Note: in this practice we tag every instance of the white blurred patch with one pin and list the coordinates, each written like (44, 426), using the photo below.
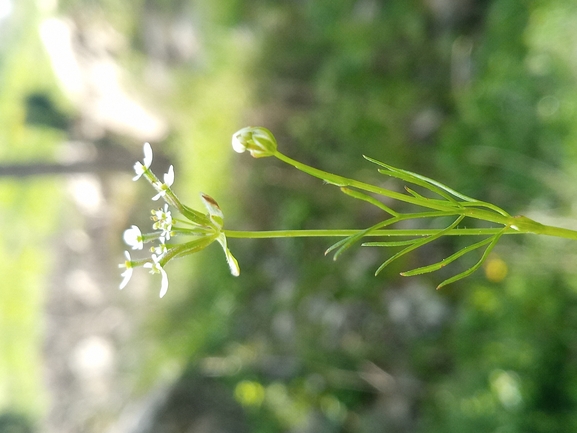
(5, 9)
(77, 240)
(415, 309)
(83, 287)
(57, 38)
(92, 358)
(506, 385)
(86, 192)
(87, 72)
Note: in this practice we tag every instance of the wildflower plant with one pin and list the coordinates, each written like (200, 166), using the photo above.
(202, 229)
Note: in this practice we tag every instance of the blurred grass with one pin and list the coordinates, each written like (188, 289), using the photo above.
(29, 211)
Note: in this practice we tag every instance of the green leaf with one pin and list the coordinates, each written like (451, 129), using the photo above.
(436, 266)
(390, 244)
(346, 243)
(368, 199)
(427, 199)
(476, 266)
(411, 177)
(430, 183)
(419, 243)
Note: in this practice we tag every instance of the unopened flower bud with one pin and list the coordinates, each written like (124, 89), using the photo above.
(257, 140)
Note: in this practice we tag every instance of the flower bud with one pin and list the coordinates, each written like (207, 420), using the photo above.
(257, 140)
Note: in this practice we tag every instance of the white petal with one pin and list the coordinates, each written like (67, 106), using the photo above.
(161, 249)
(133, 237)
(126, 275)
(164, 284)
(128, 263)
(237, 146)
(157, 196)
(169, 176)
(139, 170)
(147, 155)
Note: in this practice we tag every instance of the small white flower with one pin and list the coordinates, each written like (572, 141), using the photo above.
(163, 187)
(133, 237)
(163, 214)
(156, 268)
(140, 168)
(127, 274)
(161, 248)
(163, 221)
(232, 262)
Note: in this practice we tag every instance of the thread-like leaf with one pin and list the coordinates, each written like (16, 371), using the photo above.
(419, 243)
(337, 245)
(346, 243)
(479, 203)
(436, 266)
(427, 199)
(411, 177)
(476, 266)
(368, 199)
(342, 245)
(439, 185)
(416, 181)
(390, 243)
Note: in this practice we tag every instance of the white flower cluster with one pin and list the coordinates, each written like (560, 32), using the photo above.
(205, 228)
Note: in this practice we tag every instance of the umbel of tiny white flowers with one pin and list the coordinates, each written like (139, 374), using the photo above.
(163, 222)
(203, 228)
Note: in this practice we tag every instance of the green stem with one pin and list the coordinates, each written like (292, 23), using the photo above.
(558, 232)
(349, 232)
(270, 234)
(341, 181)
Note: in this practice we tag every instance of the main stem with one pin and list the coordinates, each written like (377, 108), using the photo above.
(559, 232)
(348, 232)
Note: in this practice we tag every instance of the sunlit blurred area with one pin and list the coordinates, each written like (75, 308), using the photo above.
(478, 94)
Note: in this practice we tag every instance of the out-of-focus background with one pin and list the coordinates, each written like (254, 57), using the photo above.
(479, 94)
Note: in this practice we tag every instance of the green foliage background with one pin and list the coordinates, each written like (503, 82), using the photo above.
(485, 101)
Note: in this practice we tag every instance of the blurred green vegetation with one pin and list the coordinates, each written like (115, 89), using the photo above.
(29, 214)
(482, 99)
